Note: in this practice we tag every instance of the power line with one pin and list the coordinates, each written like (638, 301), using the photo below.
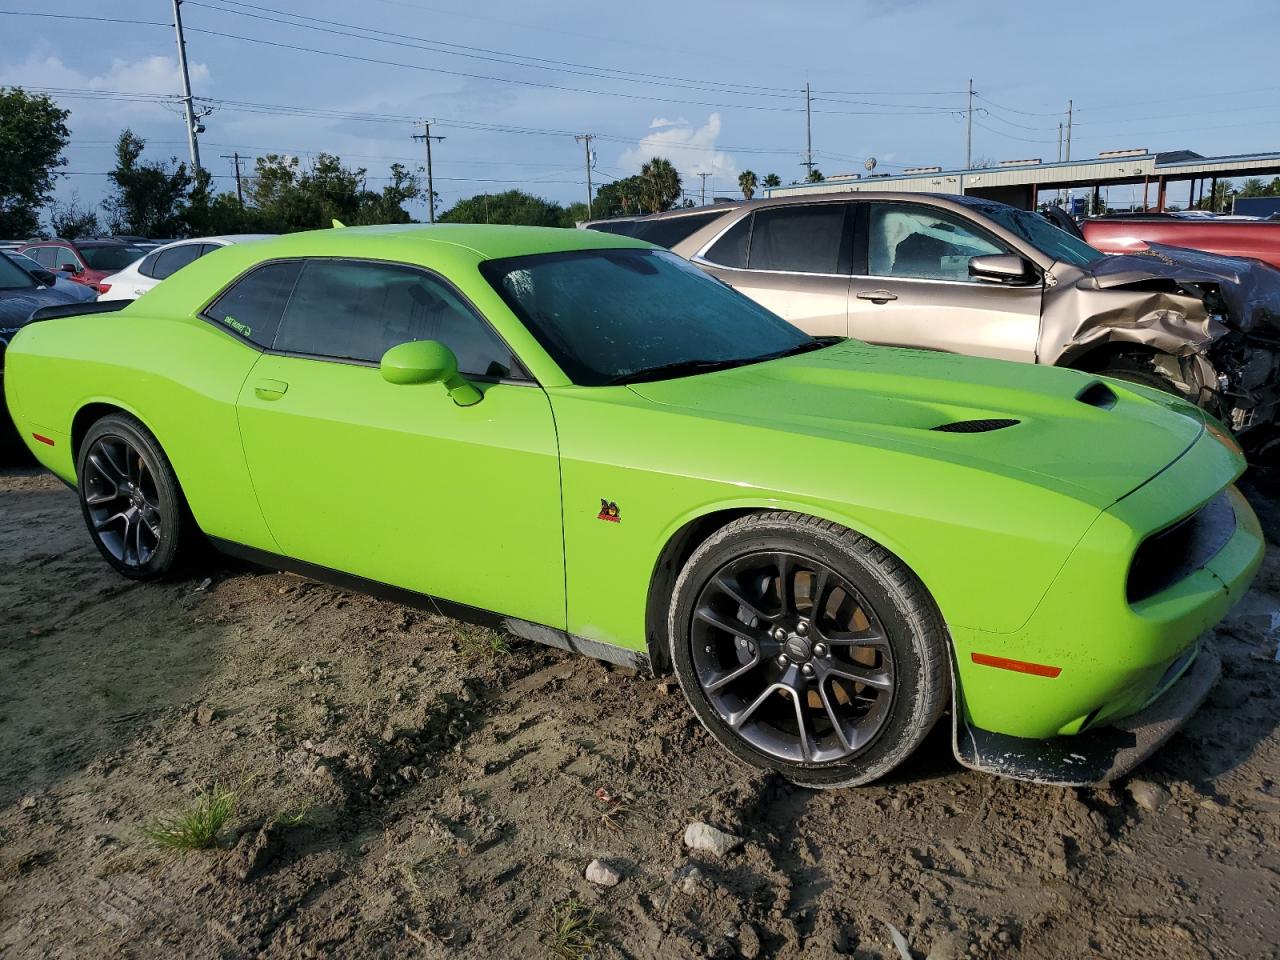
(490, 55)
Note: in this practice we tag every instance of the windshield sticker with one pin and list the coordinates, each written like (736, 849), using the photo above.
(237, 326)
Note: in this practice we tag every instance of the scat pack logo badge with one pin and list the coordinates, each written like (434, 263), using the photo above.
(609, 511)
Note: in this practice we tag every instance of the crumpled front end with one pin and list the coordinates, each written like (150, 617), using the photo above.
(1210, 324)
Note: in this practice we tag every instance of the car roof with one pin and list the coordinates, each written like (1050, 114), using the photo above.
(488, 241)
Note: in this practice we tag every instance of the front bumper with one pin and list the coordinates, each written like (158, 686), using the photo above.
(1101, 755)
(1108, 658)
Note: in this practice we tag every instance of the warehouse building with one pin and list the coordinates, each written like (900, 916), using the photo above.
(1020, 182)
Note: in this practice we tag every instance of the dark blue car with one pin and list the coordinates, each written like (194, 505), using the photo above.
(24, 289)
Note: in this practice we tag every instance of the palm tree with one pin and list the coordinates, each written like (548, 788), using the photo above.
(662, 183)
(815, 176)
(772, 180)
(747, 182)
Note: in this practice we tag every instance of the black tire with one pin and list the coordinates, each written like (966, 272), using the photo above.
(1136, 370)
(906, 650)
(131, 501)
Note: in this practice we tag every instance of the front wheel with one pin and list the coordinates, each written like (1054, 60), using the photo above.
(131, 500)
(808, 649)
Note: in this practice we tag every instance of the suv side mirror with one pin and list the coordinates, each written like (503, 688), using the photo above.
(69, 268)
(1002, 268)
(428, 361)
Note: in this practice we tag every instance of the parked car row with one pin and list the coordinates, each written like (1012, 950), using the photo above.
(590, 442)
(965, 275)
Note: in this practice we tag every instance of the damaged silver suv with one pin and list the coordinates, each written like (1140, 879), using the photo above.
(975, 276)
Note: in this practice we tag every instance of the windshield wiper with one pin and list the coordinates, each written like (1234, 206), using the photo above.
(679, 368)
(682, 368)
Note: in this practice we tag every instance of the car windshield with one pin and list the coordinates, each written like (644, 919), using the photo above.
(618, 316)
(1044, 236)
(114, 257)
(13, 277)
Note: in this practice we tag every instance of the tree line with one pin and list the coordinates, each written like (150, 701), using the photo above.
(281, 194)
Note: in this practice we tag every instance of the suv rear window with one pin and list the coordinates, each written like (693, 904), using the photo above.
(666, 232)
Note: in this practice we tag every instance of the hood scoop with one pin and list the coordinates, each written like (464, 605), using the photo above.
(975, 426)
(1097, 394)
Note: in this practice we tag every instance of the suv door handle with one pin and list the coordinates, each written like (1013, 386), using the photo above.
(877, 296)
(270, 389)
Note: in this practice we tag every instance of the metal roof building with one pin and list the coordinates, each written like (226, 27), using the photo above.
(1017, 182)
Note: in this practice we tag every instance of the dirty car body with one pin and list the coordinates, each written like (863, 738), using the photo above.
(586, 441)
(917, 270)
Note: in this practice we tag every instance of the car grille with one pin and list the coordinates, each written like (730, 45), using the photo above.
(1177, 551)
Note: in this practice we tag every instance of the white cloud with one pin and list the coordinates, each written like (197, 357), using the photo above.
(664, 122)
(148, 75)
(692, 150)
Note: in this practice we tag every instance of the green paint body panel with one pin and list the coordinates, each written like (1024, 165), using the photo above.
(1023, 535)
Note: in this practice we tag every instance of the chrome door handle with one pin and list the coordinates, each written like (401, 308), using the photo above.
(270, 389)
(877, 296)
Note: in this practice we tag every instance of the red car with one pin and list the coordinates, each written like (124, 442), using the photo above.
(1259, 239)
(84, 261)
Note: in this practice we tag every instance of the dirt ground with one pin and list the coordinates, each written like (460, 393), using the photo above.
(408, 786)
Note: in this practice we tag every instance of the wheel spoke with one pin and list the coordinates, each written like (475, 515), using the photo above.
(103, 524)
(818, 593)
(855, 638)
(797, 698)
(786, 582)
(724, 679)
(105, 468)
(728, 584)
(119, 472)
(731, 625)
(833, 717)
(98, 499)
(737, 719)
(880, 679)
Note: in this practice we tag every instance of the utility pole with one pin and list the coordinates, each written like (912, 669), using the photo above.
(1068, 156)
(1059, 141)
(704, 187)
(236, 158)
(968, 133)
(585, 140)
(426, 137)
(808, 129)
(187, 103)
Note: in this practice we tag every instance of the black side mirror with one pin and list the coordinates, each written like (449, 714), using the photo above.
(47, 277)
(1001, 268)
(68, 268)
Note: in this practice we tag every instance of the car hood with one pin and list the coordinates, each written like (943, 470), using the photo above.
(1098, 439)
(1250, 289)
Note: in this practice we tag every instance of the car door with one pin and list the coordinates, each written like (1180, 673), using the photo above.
(791, 259)
(912, 286)
(397, 483)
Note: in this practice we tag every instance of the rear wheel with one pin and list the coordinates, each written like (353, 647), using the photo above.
(131, 500)
(806, 648)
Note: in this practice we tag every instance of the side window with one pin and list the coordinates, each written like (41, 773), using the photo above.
(732, 248)
(45, 256)
(64, 256)
(802, 239)
(206, 248)
(148, 266)
(908, 240)
(252, 306)
(352, 310)
(174, 259)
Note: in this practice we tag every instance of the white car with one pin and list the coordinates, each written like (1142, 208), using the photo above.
(144, 273)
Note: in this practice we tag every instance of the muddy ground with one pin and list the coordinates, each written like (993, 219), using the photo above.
(407, 786)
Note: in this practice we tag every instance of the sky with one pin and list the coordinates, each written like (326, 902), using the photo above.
(717, 88)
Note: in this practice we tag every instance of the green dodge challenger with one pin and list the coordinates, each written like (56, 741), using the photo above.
(586, 441)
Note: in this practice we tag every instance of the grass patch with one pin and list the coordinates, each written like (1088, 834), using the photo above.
(293, 818)
(575, 930)
(195, 826)
(477, 643)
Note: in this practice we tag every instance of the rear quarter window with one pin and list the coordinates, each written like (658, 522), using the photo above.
(253, 305)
